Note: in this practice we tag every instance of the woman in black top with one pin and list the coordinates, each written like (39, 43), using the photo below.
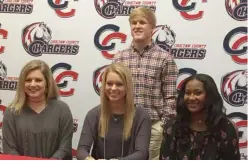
(201, 129)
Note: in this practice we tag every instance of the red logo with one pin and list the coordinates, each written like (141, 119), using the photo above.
(185, 7)
(107, 43)
(59, 8)
(3, 35)
(64, 71)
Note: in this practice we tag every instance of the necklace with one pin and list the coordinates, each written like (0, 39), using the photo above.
(115, 117)
(200, 122)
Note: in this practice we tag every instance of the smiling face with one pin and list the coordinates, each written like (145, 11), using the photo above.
(195, 96)
(114, 88)
(35, 85)
(141, 30)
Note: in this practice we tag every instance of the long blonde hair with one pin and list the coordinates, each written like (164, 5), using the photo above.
(126, 76)
(20, 96)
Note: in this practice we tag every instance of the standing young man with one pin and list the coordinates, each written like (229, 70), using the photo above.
(154, 74)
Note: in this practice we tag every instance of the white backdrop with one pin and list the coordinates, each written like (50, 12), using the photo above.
(78, 37)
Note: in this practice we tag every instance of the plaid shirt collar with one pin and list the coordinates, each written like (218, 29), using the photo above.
(147, 48)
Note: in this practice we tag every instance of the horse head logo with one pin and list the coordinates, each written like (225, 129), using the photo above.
(164, 36)
(35, 31)
(237, 9)
(99, 4)
(233, 83)
(232, 4)
(97, 78)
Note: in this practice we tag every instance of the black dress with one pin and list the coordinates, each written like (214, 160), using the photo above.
(189, 144)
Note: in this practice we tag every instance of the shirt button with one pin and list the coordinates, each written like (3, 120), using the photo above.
(26, 134)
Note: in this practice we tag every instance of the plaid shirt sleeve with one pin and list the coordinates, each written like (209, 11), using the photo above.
(116, 57)
(169, 90)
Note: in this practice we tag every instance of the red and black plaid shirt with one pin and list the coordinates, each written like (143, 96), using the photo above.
(154, 74)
